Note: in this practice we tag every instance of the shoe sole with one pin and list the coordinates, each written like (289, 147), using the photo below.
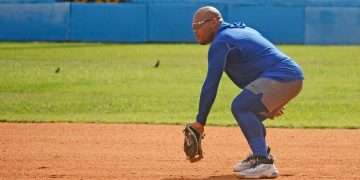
(237, 171)
(272, 176)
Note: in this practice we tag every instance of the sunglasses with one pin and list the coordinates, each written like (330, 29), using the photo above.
(199, 24)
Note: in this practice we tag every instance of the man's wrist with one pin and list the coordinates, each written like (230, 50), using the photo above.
(199, 127)
(201, 120)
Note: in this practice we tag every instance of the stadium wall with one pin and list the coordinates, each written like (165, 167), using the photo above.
(34, 22)
(291, 22)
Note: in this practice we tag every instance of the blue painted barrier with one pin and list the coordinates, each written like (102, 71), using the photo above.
(108, 22)
(33, 22)
(278, 24)
(315, 3)
(332, 25)
(172, 22)
(322, 3)
(293, 22)
(30, 1)
(224, 2)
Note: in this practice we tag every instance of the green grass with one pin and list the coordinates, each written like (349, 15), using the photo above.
(116, 83)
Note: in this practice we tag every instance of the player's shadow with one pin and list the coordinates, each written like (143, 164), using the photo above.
(221, 177)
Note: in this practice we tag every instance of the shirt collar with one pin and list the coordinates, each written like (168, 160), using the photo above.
(225, 25)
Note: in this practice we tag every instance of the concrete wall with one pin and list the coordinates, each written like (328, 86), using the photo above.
(292, 22)
(34, 22)
(29, 1)
(108, 23)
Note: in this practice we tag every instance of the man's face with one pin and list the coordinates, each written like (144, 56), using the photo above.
(204, 28)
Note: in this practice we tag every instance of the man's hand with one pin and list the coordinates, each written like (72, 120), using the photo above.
(275, 113)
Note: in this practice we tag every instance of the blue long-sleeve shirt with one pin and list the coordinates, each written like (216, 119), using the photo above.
(245, 55)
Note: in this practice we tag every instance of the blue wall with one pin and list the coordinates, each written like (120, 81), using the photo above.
(32, 22)
(108, 23)
(29, 1)
(172, 22)
(279, 24)
(332, 25)
(282, 21)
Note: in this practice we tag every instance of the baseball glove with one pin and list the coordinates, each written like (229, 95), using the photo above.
(192, 144)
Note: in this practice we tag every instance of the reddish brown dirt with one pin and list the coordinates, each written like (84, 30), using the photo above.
(112, 151)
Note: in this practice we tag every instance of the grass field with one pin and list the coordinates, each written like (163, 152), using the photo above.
(117, 83)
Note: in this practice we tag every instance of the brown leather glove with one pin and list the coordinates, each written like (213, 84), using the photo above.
(192, 143)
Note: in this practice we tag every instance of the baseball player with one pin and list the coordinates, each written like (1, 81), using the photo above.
(269, 79)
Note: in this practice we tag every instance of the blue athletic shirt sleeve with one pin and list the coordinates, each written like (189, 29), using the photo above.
(216, 62)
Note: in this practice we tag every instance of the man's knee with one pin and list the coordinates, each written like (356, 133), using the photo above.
(239, 105)
(247, 101)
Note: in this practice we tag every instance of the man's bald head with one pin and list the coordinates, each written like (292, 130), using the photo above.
(206, 21)
(207, 12)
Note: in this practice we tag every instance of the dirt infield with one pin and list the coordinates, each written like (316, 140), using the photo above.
(113, 151)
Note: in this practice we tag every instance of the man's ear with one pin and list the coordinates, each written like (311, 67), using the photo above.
(214, 22)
